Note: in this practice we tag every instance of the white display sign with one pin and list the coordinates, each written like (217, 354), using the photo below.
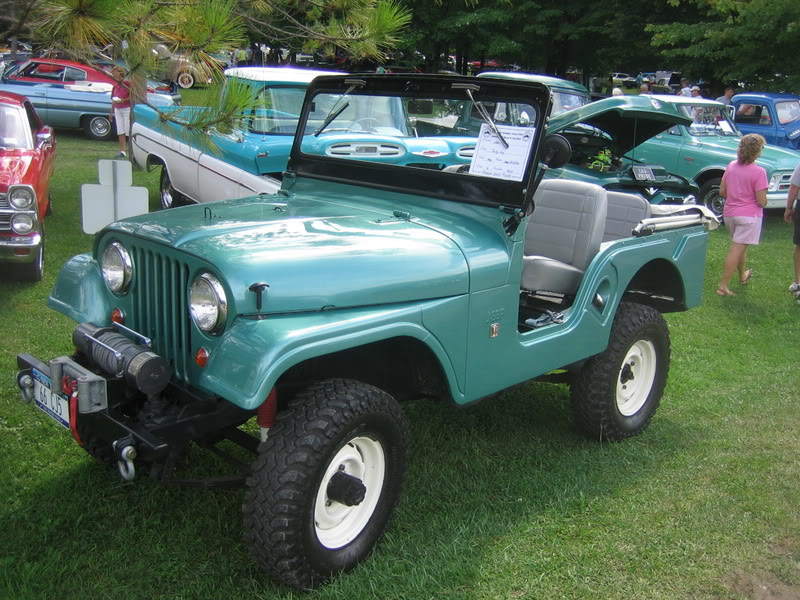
(114, 198)
(493, 159)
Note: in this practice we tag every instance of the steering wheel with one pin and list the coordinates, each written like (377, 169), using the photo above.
(367, 124)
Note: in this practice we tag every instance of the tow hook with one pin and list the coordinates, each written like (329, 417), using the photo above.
(126, 453)
(25, 384)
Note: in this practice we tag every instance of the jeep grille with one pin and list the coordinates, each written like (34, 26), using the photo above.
(159, 305)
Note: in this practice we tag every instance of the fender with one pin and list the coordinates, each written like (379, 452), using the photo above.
(80, 293)
(245, 377)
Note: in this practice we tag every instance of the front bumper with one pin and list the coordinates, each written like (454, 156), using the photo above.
(776, 199)
(20, 249)
(91, 412)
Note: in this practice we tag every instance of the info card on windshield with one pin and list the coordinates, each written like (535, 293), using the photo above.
(493, 159)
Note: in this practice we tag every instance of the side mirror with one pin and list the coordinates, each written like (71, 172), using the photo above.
(45, 136)
(556, 151)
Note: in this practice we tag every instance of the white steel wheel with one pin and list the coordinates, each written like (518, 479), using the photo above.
(616, 393)
(325, 482)
(337, 519)
(636, 377)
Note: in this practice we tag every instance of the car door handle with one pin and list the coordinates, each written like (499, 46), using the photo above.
(262, 155)
(689, 159)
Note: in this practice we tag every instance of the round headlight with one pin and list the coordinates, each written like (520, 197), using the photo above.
(22, 223)
(117, 268)
(22, 198)
(207, 303)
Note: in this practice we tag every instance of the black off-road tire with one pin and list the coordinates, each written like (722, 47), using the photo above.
(608, 401)
(320, 426)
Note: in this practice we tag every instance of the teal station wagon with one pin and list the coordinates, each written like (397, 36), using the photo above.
(316, 310)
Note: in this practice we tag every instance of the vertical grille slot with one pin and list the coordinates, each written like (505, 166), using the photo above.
(160, 306)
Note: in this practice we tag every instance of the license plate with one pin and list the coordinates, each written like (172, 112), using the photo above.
(54, 404)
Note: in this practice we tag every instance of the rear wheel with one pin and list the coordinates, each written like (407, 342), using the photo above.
(616, 392)
(710, 198)
(325, 482)
(170, 197)
(185, 80)
(98, 128)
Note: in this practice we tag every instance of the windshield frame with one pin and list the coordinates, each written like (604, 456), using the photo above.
(688, 110)
(471, 189)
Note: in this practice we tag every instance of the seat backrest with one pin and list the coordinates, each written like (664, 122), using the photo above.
(567, 222)
(625, 211)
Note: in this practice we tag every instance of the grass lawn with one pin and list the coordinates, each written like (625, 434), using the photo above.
(503, 499)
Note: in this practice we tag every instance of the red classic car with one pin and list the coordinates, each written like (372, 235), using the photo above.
(56, 70)
(27, 155)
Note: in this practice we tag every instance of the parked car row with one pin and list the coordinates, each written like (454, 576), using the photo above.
(666, 149)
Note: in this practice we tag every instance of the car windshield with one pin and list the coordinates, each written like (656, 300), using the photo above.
(13, 130)
(788, 111)
(708, 120)
(424, 132)
(278, 110)
(563, 101)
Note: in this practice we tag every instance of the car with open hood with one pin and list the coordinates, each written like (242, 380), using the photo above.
(309, 314)
(604, 137)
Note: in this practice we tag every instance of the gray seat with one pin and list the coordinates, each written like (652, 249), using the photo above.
(625, 211)
(563, 235)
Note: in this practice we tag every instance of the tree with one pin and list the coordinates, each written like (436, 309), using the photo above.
(200, 28)
(752, 42)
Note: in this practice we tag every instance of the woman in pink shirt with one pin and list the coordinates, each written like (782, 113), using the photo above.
(744, 187)
(121, 108)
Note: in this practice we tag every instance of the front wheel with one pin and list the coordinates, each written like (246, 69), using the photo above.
(710, 198)
(616, 392)
(98, 128)
(325, 482)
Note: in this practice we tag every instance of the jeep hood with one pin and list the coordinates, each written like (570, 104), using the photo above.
(314, 253)
(629, 120)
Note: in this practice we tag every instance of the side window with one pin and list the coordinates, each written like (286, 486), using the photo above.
(46, 71)
(674, 130)
(33, 120)
(753, 114)
(74, 75)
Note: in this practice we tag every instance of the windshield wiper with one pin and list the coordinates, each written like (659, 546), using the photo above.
(334, 112)
(468, 87)
(330, 118)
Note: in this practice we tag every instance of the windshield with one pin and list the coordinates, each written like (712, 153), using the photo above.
(278, 111)
(788, 111)
(708, 120)
(424, 132)
(563, 101)
(13, 130)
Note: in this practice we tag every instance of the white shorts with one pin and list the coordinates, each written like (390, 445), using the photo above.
(122, 117)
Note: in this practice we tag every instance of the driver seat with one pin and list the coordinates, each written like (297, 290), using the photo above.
(563, 235)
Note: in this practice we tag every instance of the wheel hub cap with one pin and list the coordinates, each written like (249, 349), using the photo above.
(349, 492)
(636, 377)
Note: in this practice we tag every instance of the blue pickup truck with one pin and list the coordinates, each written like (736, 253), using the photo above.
(775, 116)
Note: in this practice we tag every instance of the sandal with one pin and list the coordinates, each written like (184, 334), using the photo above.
(747, 275)
(725, 292)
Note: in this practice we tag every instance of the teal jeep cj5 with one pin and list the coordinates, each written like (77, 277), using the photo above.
(318, 309)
